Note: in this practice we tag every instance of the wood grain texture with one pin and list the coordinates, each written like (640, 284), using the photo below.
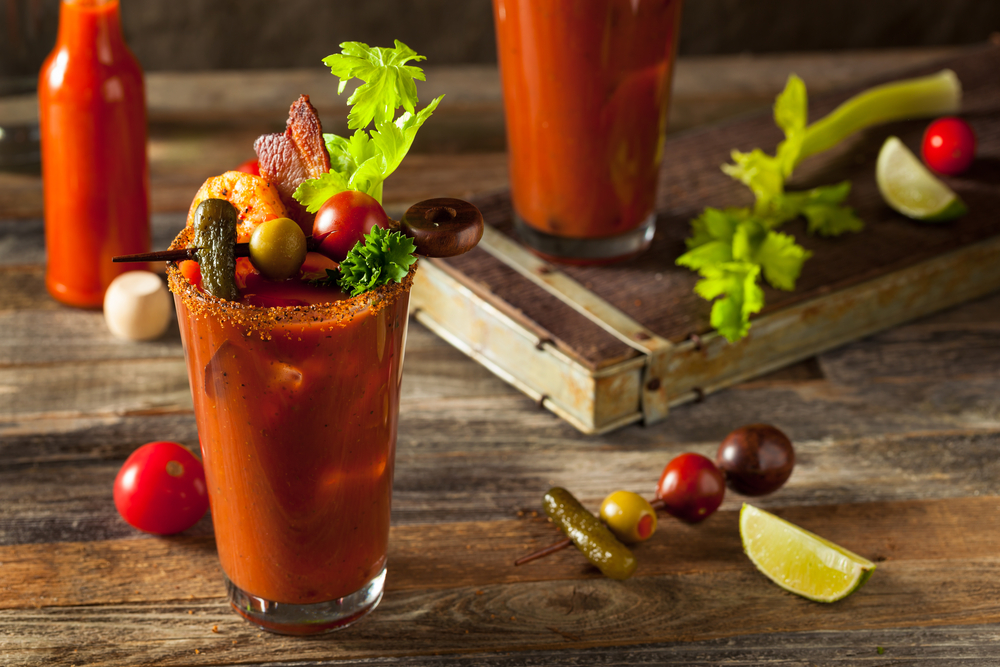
(431, 557)
(538, 616)
(69, 499)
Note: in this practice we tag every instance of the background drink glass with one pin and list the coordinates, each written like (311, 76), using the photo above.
(586, 90)
(297, 415)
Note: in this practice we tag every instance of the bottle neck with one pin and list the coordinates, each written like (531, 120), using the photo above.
(91, 25)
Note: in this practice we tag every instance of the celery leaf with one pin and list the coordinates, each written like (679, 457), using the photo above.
(365, 159)
(781, 259)
(388, 80)
(313, 192)
(730, 248)
(733, 286)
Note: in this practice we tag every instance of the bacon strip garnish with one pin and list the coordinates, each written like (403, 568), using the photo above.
(286, 159)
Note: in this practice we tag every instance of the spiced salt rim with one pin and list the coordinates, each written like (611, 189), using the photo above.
(264, 319)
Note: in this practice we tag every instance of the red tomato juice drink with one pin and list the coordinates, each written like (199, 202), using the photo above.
(586, 89)
(297, 412)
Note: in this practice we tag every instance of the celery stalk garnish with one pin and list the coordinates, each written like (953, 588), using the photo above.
(364, 160)
(935, 95)
(731, 249)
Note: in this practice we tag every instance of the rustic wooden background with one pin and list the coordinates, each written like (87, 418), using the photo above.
(896, 439)
(194, 35)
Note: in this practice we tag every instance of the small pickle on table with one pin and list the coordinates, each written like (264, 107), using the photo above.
(590, 536)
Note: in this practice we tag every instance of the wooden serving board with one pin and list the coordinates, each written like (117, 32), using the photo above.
(606, 346)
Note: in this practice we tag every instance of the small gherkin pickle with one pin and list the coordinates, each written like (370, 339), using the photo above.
(215, 237)
(590, 536)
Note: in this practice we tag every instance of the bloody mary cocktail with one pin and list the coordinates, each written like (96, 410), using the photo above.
(297, 412)
(586, 90)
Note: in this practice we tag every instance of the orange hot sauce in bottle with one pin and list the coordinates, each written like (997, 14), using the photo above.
(92, 106)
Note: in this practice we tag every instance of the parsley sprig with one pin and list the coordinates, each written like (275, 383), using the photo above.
(366, 158)
(382, 257)
(732, 249)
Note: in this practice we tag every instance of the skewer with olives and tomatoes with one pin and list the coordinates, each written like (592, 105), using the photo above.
(753, 460)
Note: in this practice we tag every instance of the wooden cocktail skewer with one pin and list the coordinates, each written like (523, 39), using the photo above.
(442, 227)
(180, 254)
(657, 505)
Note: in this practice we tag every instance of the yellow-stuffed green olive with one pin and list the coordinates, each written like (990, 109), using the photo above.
(278, 248)
(629, 516)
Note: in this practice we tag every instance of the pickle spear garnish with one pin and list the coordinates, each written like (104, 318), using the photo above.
(590, 536)
(215, 236)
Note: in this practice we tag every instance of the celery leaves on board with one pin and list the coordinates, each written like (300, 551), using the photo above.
(731, 249)
(383, 257)
(366, 158)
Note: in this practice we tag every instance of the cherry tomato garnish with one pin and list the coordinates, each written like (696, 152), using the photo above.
(949, 146)
(250, 167)
(344, 219)
(161, 489)
(691, 487)
(756, 459)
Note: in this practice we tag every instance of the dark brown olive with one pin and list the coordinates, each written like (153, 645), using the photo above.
(756, 459)
(443, 227)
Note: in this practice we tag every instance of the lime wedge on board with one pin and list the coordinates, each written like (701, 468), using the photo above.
(911, 189)
(799, 561)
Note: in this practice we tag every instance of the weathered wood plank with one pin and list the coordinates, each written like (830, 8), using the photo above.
(106, 387)
(22, 242)
(442, 556)
(482, 459)
(535, 616)
(40, 337)
(966, 646)
(24, 288)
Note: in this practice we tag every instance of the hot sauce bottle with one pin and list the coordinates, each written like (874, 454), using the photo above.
(95, 174)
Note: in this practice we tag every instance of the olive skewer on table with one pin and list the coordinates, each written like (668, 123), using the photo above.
(656, 504)
(753, 460)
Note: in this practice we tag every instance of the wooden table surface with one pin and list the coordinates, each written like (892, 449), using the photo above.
(896, 435)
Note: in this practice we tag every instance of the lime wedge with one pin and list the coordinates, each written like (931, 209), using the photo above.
(798, 561)
(911, 189)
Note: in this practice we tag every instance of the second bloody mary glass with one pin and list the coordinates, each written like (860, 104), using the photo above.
(586, 86)
(297, 413)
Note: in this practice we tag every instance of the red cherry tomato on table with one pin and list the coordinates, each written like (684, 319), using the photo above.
(691, 487)
(250, 167)
(344, 219)
(161, 489)
(949, 146)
